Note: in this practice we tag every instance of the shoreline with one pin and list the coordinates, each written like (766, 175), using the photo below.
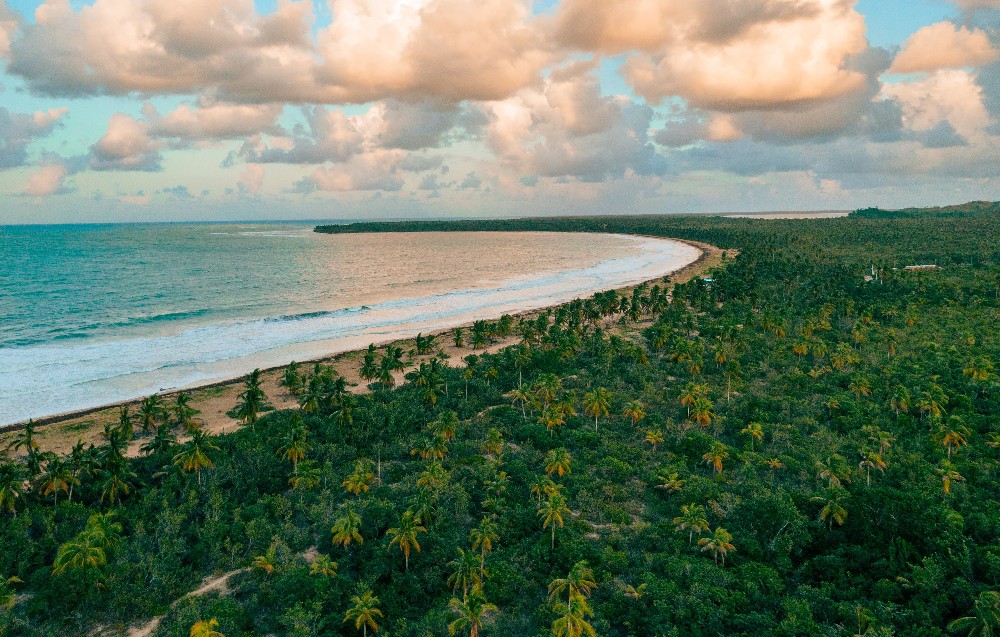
(202, 393)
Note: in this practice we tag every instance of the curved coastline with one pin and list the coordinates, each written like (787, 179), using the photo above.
(337, 349)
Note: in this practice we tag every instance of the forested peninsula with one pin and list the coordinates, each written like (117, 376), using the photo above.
(802, 441)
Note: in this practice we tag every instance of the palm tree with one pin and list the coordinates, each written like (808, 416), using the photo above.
(871, 460)
(57, 477)
(465, 572)
(949, 475)
(654, 437)
(405, 535)
(715, 456)
(552, 416)
(82, 553)
(833, 510)
(346, 529)
(597, 403)
(691, 393)
(755, 431)
(268, 562)
(692, 519)
(323, 566)
(151, 411)
(702, 413)
(543, 485)
(126, 425)
(985, 618)
(12, 485)
(953, 436)
(482, 538)
(579, 582)
(365, 612)
(552, 511)
(473, 613)
(295, 446)
(206, 628)
(369, 365)
(520, 397)
(360, 479)
(184, 413)
(634, 411)
(719, 544)
(558, 462)
(252, 401)
(572, 619)
(671, 482)
(163, 441)
(8, 597)
(194, 453)
(118, 481)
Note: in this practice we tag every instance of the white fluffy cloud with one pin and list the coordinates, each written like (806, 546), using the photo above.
(125, 146)
(944, 45)
(45, 181)
(210, 120)
(950, 96)
(725, 54)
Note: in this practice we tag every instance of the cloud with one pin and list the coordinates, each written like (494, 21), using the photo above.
(377, 170)
(944, 45)
(725, 54)
(19, 130)
(445, 49)
(567, 129)
(211, 120)
(252, 178)
(374, 49)
(977, 4)
(126, 146)
(10, 22)
(950, 96)
(47, 180)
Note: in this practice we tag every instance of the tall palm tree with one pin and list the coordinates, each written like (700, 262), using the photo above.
(194, 453)
(985, 618)
(365, 612)
(579, 582)
(558, 461)
(755, 432)
(833, 509)
(184, 413)
(205, 628)
(369, 365)
(482, 538)
(405, 535)
(654, 437)
(465, 572)
(692, 519)
(295, 446)
(716, 456)
(347, 529)
(58, 476)
(252, 401)
(719, 544)
(118, 481)
(597, 403)
(163, 441)
(552, 512)
(634, 411)
(953, 436)
(949, 475)
(473, 613)
(151, 411)
(552, 416)
(572, 619)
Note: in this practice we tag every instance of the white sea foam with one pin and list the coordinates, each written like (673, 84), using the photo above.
(36, 381)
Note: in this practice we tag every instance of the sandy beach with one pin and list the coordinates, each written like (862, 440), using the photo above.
(59, 433)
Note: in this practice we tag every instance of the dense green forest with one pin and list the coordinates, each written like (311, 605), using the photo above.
(805, 444)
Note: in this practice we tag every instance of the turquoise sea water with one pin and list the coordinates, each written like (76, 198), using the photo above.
(95, 314)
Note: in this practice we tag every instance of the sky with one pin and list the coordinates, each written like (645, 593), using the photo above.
(177, 110)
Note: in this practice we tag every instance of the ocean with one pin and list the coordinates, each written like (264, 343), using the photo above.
(94, 314)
